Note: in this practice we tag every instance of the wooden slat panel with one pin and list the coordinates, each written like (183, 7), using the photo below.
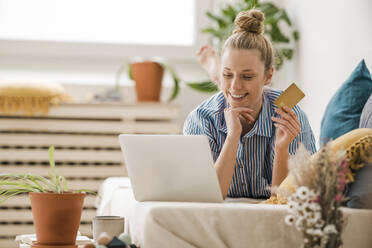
(86, 230)
(114, 127)
(10, 215)
(68, 171)
(8, 243)
(61, 155)
(112, 111)
(59, 140)
(14, 230)
(122, 119)
(23, 215)
(84, 184)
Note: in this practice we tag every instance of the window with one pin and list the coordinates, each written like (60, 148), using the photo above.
(101, 27)
(161, 22)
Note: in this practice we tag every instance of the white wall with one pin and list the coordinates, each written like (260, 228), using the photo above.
(335, 36)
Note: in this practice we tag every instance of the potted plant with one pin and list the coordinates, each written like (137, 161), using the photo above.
(275, 18)
(148, 76)
(56, 210)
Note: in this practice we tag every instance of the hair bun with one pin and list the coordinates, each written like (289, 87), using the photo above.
(249, 21)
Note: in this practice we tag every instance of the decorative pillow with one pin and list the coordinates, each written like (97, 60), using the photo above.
(360, 192)
(360, 152)
(345, 107)
(360, 159)
(354, 145)
(30, 98)
(348, 140)
(366, 117)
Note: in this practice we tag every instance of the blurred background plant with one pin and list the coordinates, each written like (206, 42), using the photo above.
(14, 184)
(276, 20)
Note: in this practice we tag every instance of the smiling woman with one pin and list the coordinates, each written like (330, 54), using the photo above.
(250, 137)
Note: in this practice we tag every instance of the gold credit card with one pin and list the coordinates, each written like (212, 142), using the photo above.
(290, 97)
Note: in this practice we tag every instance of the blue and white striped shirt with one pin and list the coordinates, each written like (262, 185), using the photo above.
(255, 156)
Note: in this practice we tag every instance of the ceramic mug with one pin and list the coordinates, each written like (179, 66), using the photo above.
(112, 225)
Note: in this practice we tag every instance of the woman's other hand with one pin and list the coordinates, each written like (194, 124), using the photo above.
(288, 127)
(234, 118)
(210, 62)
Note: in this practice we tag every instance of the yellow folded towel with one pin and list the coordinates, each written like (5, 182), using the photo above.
(30, 98)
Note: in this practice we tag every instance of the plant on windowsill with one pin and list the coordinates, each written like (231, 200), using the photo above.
(56, 210)
(148, 76)
(275, 17)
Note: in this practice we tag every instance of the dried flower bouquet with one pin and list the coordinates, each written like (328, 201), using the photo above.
(314, 209)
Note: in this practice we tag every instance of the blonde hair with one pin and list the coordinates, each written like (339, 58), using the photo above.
(248, 34)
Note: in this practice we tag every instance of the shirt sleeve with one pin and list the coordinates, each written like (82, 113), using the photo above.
(305, 137)
(194, 124)
(197, 124)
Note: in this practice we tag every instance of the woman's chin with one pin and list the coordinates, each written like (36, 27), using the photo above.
(242, 102)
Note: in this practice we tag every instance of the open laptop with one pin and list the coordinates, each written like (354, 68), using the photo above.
(170, 168)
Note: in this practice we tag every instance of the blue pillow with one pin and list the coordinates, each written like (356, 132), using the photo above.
(345, 107)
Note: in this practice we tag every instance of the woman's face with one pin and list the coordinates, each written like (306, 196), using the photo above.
(243, 77)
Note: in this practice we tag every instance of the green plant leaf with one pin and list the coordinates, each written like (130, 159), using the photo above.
(4, 198)
(63, 182)
(85, 191)
(282, 15)
(222, 23)
(287, 52)
(38, 186)
(18, 185)
(123, 67)
(48, 184)
(175, 78)
(279, 59)
(277, 35)
(207, 87)
(296, 35)
(269, 9)
(220, 34)
(250, 4)
(230, 13)
(52, 172)
(129, 72)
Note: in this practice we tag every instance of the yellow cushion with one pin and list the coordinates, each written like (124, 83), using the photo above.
(30, 98)
(348, 139)
(351, 142)
(358, 154)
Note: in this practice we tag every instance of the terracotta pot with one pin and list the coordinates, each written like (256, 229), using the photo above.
(56, 217)
(148, 76)
(53, 246)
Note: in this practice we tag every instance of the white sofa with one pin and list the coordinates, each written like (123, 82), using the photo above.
(234, 223)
